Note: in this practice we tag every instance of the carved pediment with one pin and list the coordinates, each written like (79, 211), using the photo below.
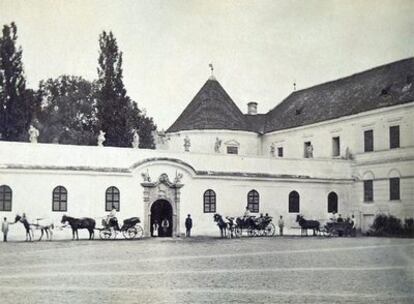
(232, 142)
(163, 179)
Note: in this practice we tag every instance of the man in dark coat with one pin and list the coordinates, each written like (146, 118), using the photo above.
(188, 225)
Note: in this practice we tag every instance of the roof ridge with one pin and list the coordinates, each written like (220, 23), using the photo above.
(355, 74)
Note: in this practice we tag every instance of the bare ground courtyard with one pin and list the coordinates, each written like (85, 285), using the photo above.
(209, 270)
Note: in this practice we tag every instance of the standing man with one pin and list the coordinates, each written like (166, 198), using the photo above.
(5, 229)
(188, 226)
(165, 224)
(281, 224)
(354, 225)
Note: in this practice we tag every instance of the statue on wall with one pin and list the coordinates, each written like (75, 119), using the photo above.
(187, 144)
(348, 154)
(135, 140)
(160, 138)
(272, 149)
(101, 138)
(146, 177)
(217, 145)
(33, 134)
(178, 177)
(309, 151)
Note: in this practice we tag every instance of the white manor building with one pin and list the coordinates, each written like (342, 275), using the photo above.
(345, 146)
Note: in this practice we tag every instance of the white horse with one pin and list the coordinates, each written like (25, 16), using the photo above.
(45, 226)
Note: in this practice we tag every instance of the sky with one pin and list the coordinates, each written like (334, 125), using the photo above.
(258, 48)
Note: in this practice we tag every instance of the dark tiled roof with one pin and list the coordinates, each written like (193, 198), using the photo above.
(384, 86)
(255, 123)
(211, 108)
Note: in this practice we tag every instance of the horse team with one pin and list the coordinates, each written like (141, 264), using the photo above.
(46, 227)
(262, 226)
(229, 226)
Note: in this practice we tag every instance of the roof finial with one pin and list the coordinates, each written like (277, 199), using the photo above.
(294, 85)
(212, 72)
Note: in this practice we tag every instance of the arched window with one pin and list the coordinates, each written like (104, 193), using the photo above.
(332, 202)
(5, 198)
(60, 199)
(112, 198)
(294, 202)
(209, 201)
(253, 201)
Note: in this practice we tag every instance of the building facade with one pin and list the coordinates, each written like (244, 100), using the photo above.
(345, 146)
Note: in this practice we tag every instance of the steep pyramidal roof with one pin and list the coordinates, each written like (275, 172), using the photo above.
(388, 85)
(211, 108)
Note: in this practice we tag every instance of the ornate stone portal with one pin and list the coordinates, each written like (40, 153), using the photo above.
(162, 189)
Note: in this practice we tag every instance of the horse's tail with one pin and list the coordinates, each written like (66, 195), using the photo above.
(52, 226)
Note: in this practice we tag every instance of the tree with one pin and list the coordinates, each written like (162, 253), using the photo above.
(118, 115)
(17, 104)
(113, 104)
(68, 111)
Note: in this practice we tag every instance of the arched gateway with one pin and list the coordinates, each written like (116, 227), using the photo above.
(161, 212)
(162, 200)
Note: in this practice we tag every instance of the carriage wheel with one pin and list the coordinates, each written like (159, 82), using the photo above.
(250, 232)
(333, 232)
(130, 233)
(140, 231)
(237, 231)
(105, 234)
(270, 230)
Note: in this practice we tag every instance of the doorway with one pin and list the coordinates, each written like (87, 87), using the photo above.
(161, 210)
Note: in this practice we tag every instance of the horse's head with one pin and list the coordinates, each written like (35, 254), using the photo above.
(64, 219)
(217, 217)
(17, 218)
(299, 217)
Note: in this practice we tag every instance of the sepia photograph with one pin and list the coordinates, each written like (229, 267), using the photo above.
(206, 151)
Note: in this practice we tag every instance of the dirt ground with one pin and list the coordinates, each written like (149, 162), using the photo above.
(209, 270)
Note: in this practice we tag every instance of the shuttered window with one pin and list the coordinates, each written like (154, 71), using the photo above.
(368, 141)
(394, 137)
(368, 191)
(394, 188)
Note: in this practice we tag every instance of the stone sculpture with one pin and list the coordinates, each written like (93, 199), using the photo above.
(33, 134)
(101, 138)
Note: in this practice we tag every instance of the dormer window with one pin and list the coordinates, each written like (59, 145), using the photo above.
(232, 150)
(232, 147)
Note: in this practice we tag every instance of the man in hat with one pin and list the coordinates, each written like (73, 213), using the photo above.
(188, 225)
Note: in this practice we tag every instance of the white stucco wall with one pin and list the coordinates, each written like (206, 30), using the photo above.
(32, 171)
(203, 141)
(349, 129)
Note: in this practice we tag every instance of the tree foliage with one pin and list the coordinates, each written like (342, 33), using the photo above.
(113, 104)
(118, 115)
(17, 104)
(68, 111)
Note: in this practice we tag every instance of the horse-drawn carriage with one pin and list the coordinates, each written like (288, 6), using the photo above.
(130, 229)
(109, 230)
(331, 228)
(254, 226)
(341, 228)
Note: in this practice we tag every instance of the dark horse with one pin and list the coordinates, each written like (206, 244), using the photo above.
(80, 223)
(221, 224)
(29, 231)
(307, 224)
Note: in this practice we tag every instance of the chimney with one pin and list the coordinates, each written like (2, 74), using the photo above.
(252, 108)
